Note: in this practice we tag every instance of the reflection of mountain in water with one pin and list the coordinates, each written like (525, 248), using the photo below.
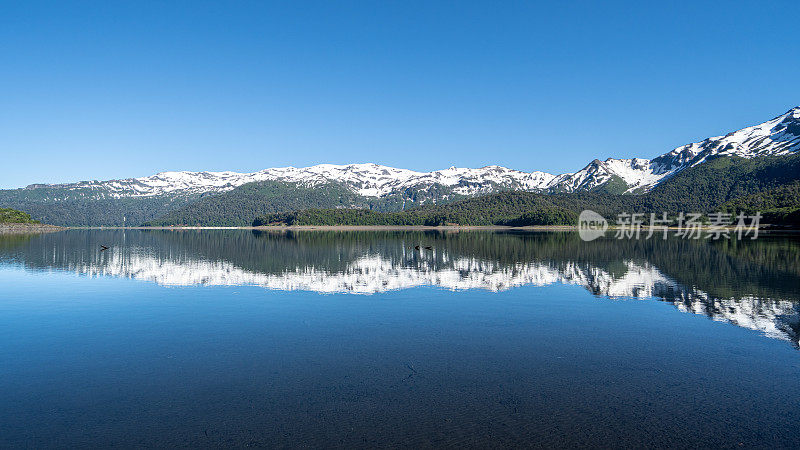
(751, 284)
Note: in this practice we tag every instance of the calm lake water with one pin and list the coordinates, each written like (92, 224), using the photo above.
(356, 339)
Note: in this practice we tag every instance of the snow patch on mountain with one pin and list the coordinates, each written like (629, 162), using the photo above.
(370, 180)
(779, 136)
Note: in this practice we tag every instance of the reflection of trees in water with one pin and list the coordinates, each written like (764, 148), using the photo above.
(707, 277)
(10, 240)
(766, 267)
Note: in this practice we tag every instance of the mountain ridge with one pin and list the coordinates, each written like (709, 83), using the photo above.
(778, 136)
(386, 188)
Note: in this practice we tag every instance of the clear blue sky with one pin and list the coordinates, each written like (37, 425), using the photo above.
(112, 89)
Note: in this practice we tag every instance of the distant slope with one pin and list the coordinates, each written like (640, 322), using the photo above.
(237, 207)
(89, 207)
(710, 187)
(507, 208)
(155, 198)
(8, 215)
(782, 197)
(780, 205)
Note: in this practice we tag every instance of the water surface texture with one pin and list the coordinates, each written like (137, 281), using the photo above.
(358, 339)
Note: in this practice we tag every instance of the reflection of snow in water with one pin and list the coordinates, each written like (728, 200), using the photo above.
(375, 273)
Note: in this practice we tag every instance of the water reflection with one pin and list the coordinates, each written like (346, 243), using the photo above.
(752, 284)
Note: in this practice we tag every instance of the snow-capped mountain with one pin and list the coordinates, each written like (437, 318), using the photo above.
(370, 180)
(778, 136)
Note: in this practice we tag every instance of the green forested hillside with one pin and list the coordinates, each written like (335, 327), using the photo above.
(711, 184)
(499, 209)
(709, 187)
(778, 205)
(238, 206)
(88, 207)
(8, 215)
(760, 183)
(506, 208)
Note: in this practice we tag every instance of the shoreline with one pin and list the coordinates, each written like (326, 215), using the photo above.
(351, 228)
(49, 228)
(22, 228)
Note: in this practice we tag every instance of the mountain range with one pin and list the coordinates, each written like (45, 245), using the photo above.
(168, 195)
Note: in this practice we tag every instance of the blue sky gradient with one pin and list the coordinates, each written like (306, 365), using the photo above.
(101, 90)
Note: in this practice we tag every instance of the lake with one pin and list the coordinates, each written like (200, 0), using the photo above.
(357, 339)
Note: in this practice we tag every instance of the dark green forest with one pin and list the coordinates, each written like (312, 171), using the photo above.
(505, 208)
(88, 207)
(238, 206)
(778, 205)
